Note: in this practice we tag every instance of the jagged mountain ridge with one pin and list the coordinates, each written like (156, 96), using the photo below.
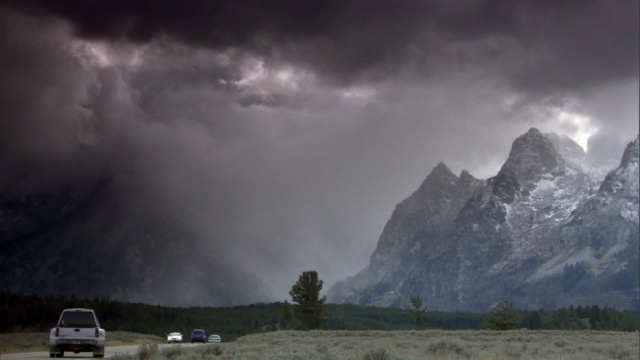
(98, 240)
(541, 233)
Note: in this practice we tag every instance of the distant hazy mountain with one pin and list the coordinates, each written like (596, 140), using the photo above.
(541, 233)
(99, 241)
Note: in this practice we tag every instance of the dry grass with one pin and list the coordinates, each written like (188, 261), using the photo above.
(39, 341)
(407, 345)
(380, 345)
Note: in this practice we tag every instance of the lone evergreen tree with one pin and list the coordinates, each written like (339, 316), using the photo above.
(417, 310)
(309, 306)
(503, 316)
(287, 316)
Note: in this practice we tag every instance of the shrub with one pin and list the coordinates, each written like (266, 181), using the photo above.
(212, 350)
(446, 348)
(148, 352)
(172, 352)
(377, 354)
(616, 353)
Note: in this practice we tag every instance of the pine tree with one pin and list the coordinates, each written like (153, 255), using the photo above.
(309, 306)
(286, 317)
(503, 316)
(417, 310)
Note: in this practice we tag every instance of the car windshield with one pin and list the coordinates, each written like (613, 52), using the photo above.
(77, 319)
(174, 334)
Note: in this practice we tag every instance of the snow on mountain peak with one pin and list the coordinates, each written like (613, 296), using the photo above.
(524, 234)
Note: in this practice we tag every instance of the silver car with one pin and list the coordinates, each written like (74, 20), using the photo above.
(214, 339)
(174, 337)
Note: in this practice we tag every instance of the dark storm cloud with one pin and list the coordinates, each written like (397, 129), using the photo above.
(542, 46)
(40, 127)
(61, 121)
(283, 132)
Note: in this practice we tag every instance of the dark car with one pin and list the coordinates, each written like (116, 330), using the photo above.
(198, 335)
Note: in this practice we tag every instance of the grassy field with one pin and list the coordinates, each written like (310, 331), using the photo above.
(407, 345)
(39, 341)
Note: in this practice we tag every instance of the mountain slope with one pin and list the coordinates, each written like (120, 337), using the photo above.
(100, 241)
(415, 222)
(537, 234)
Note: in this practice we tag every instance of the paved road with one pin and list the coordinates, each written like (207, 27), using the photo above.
(109, 351)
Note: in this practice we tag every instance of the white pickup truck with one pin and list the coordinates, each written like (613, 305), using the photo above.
(78, 330)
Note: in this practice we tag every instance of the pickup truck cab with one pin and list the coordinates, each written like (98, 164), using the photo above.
(78, 330)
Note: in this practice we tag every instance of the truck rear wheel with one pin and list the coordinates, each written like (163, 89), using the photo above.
(99, 353)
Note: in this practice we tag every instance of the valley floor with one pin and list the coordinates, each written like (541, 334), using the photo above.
(408, 345)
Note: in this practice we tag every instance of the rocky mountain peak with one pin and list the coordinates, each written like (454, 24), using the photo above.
(623, 181)
(441, 173)
(441, 177)
(536, 157)
(630, 155)
(535, 234)
(434, 205)
(532, 155)
(466, 178)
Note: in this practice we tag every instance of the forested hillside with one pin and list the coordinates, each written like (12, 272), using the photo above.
(34, 313)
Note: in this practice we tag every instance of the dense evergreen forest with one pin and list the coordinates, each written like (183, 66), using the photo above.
(35, 313)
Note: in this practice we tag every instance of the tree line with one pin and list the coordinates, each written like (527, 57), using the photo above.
(504, 316)
(37, 313)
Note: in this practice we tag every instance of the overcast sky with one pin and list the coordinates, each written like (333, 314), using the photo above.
(285, 132)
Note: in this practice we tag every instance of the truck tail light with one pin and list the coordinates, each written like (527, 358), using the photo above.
(97, 332)
(57, 332)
